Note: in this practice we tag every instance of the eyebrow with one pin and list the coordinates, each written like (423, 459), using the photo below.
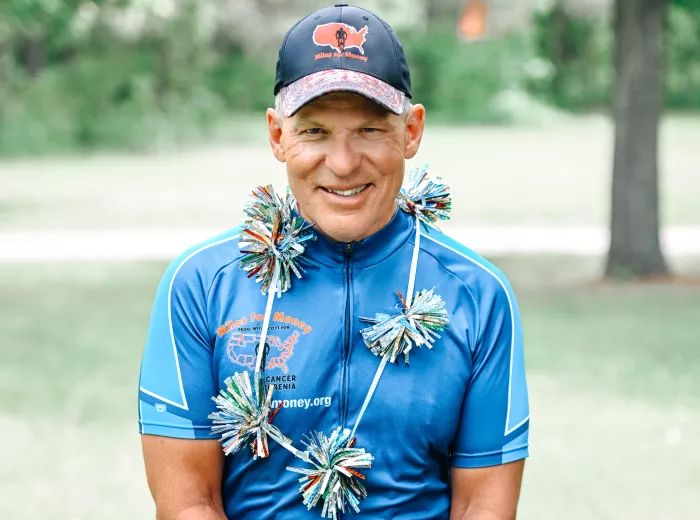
(380, 121)
(307, 121)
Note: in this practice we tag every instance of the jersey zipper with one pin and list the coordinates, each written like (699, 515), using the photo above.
(346, 336)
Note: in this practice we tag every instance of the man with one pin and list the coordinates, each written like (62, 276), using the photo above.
(341, 35)
(448, 433)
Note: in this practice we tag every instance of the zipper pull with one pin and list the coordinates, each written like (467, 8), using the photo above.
(348, 249)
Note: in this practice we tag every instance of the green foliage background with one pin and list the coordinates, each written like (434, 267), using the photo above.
(62, 89)
(580, 54)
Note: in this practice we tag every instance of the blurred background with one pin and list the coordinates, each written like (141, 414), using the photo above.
(569, 131)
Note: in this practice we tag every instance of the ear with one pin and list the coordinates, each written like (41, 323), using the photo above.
(415, 123)
(274, 128)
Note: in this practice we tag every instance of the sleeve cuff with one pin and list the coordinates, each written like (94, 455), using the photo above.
(175, 431)
(482, 460)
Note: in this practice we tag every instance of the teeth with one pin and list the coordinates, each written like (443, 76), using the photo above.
(348, 193)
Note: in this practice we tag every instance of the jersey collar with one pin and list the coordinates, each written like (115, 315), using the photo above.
(363, 253)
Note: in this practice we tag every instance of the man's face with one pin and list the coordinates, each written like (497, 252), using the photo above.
(345, 159)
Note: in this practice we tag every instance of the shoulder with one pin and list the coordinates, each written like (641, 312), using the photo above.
(199, 264)
(483, 279)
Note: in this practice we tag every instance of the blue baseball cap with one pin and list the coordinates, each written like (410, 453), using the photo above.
(342, 49)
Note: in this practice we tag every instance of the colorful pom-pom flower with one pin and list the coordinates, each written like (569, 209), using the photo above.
(427, 199)
(244, 415)
(415, 325)
(273, 239)
(334, 478)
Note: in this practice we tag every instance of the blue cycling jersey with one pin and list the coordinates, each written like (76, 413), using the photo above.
(463, 403)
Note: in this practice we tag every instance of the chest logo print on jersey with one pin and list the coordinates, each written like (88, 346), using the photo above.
(241, 350)
(243, 337)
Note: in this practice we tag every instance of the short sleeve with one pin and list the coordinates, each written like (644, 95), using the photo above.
(177, 378)
(494, 423)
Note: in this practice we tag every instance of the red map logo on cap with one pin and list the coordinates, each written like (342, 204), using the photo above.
(340, 36)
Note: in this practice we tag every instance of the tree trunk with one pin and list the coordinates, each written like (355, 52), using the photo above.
(36, 56)
(432, 12)
(640, 27)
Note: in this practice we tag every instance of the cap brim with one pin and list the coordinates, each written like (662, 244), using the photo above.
(294, 96)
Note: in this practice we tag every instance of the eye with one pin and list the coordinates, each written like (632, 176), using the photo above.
(370, 130)
(313, 131)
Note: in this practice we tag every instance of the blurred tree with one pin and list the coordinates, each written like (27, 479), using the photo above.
(577, 50)
(431, 12)
(38, 30)
(439, 13)
(640, 46)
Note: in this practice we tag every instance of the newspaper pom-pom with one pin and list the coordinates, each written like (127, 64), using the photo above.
(244, 415)
(335, 478)
(415, 325)
(274, 236)
(424, 197)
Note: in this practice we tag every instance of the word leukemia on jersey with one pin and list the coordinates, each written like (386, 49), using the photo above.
(273, 242)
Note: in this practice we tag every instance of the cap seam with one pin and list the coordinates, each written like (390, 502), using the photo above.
(342, 60)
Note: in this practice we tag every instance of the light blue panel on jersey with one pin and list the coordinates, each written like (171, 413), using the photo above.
(160, 374)
(519, 410)
(513, 450)
(156, 420)
(518, 407)
(160, 371)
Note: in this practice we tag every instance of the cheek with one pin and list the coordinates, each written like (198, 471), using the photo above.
(388, 158)
(302, 161)
(389, 147)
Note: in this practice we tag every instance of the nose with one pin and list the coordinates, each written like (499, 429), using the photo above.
(341, 158)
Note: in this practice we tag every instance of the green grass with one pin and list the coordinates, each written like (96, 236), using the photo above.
(74, 334)
(552, 174)
(614, 375)
(636, 341)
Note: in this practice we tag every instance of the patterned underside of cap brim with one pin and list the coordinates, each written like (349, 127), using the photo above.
(313, 86)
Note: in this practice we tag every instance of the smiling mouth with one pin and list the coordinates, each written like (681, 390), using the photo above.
(348, 193)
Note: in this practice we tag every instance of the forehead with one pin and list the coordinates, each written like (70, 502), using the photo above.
(347, 102)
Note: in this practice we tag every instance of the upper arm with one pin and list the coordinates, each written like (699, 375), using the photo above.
(489, 493)
(494, 421)
(177, 377)
(184, 475)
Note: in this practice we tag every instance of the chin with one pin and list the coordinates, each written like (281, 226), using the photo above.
(345, 228)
